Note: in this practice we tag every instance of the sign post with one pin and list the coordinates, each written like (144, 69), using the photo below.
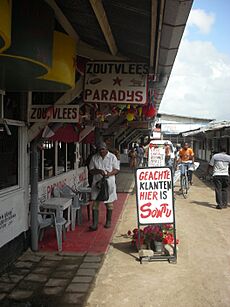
(155, 206)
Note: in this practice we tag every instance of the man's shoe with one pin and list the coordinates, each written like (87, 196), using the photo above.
(225, 206)
(218, 207)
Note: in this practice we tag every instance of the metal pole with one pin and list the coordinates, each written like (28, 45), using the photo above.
(34, 196)
(2, 93)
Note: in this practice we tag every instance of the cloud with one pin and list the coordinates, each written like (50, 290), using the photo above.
(201, 20)
(199, 82)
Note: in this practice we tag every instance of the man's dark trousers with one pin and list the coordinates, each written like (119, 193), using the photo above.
(221, 189)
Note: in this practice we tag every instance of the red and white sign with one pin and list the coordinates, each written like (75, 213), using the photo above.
(114, 82)
(55, 113)
(154, 195)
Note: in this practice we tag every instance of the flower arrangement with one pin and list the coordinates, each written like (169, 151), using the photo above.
(161, 233)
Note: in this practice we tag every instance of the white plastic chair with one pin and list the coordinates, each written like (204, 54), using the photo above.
(84, 199)
(66, 191)
(48, 219)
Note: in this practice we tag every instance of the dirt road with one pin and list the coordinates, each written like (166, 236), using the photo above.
(201, 276)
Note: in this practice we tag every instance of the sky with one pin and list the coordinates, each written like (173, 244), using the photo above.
(199, 84)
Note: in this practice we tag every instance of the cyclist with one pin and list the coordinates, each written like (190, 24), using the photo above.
(186, 158)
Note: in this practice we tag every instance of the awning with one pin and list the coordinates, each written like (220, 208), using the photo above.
(66, 133)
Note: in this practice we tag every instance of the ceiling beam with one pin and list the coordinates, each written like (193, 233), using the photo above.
(161, 13)
(83, 48)
(104, 24)
(90, 52)
(153, 33)
(64, 22)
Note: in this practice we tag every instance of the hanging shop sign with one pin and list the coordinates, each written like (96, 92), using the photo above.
(57, 113)
(154, 195)
(113, 82)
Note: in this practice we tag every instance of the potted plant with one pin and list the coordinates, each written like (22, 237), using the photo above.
(154, 237)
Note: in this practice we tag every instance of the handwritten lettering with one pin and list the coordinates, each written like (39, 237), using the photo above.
(155, 185)
(155, 175)
(146, 211)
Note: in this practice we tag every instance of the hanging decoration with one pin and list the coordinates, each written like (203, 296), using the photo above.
(30, 53)
(61, 76)
(5, 24)
(150, 111)
(130, 116)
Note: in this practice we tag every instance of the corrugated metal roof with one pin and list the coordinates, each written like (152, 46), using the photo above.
(214, 125)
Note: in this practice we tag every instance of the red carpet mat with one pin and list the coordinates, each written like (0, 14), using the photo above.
(83, 240)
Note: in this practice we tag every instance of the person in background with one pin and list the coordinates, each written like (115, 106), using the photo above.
(168, 160)
(186, 154)
(103, 163)
(132, 158)
(140, 155)
(145, 157)
(176, 154)
(219, 165)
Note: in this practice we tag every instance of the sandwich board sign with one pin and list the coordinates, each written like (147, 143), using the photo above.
(156, 155)
(155, 200)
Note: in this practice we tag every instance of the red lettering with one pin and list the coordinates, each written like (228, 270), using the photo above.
(145, 208)
(141, 175)
(155, 213)
(151, 176)
(156, 175)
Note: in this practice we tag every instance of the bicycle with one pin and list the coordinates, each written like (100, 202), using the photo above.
(184, 178)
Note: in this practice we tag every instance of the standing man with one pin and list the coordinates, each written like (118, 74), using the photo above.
(168, 159)
(186, 156)
(219, 164)
(103, 163)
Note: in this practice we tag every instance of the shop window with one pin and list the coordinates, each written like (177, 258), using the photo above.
(48, 159)
(9, 151)
(55, 158)
(71, 155)
(62, 148)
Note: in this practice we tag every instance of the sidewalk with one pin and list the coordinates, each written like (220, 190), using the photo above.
(48, 278)
(201, 276)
